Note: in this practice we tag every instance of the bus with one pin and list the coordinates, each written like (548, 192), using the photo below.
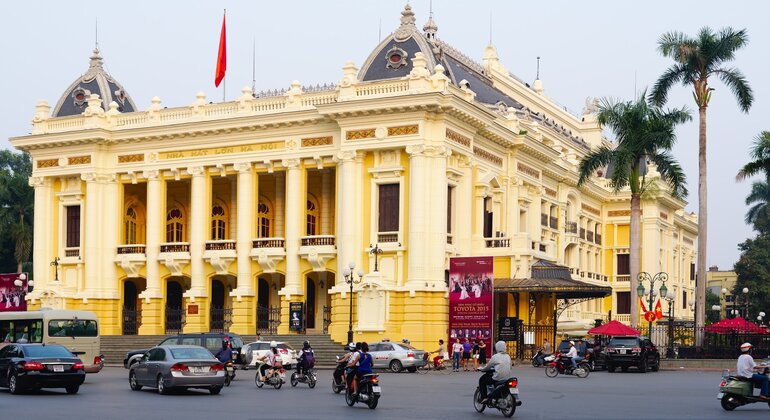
(78, 331)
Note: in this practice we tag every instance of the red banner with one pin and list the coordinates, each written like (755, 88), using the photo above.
(12, 296)
(471, 300)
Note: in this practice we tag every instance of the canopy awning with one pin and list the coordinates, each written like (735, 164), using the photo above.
(563, 288)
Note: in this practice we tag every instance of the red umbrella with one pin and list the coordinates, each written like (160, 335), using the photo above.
(736, 324)
(613, 328)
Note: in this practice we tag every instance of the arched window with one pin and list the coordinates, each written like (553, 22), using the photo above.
(263, 220)
(311, 217)
(218, 223)
(175, 225)
(129, 223)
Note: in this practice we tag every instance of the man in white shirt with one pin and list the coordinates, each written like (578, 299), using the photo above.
(573, 354)
(746, 368)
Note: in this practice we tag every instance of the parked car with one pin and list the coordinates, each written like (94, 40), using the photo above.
(166, 368)
(251, 352)
(36, 366)
(626, 351)
(396, 356)
(211, 341)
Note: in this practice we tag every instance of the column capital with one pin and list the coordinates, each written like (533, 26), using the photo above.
(39, 181)
(242, 167)
(345, 156)
(196, 171)
(152, 174)
(415, 150)
(292, 163)
(88, 176)
(437, 151)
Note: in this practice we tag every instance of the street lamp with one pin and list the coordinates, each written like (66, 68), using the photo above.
(760, 317)
(718, 309)
(652, 293)
(375, 251)
(55, 264)
(746, 301)
(347, 273)
(670, 352)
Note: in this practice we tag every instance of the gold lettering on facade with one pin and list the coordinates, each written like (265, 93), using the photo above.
(403, 130)
(592, 210)
(528, 170)
(47, 163)
(458, 138)
(317, 141)
(619, 213)
(367, 133)
(139, 157)
(214, 151)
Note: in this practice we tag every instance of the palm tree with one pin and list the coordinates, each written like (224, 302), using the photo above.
(16, 203)
(644, 133)
(696, 59)
(760, 153)
(759, 213)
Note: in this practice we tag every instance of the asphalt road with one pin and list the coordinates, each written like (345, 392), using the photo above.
(661, 395)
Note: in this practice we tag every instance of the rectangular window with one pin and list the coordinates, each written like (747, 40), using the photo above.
(388, 208)
(624, 302)
(692, 271)
(684, 299)
(488, 218)
(73, 227)
(72, 328)
(449, 192)
(624, 267)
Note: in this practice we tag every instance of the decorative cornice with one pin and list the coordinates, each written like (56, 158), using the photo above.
(290, 163)
(242, 167)
(196, 171)
(549, 192)
(592, 210)
(47, 163)
(137, 157)
(151, 174)
(458, 138)
(317, 141)
(527, 170)
(367, 133)
(403, 130)
(79, 160)
(487, 155)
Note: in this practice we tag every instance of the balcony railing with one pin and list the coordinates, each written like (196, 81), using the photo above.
(571, 227)
(319, 240)
(582, 233)
(623, 278)
(544, 219)
(131, 249)
(497, 242)
(220, 245)
(554, 222)
(268, 243)
(72, 252)
(590, 236)
(175, 247)
(598, 239)
(390, 237)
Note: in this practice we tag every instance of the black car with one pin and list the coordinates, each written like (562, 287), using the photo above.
(626, 351)
(598, 360)
(36, 366)
(211, 341)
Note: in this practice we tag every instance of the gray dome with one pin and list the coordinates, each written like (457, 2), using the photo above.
(75, 99)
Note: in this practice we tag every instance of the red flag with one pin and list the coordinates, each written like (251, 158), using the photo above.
(641, 304)
(658, 310)
(221, 56)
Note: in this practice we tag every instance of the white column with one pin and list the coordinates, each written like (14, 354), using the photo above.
(43, 233)
(294, 210)
(155, 216)
(326, 202)
(280, 194)
(345, 231)
(111, 222)
(436, 215)
(418, 225)
(245, 227)
(198, 228)
(93, 229)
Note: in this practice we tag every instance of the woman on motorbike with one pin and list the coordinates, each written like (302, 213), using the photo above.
(225, 354)
(304, 354)
(273, 360)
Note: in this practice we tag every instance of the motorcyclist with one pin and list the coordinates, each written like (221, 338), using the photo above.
(302, 362)
(272, 358)
(351, 369)
(341, 363)
(573, 355)
(225, 354)
(747, 366)
(497, 369)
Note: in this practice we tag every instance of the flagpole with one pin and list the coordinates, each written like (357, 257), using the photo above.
(224, 79)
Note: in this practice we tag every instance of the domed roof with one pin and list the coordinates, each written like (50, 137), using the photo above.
(75, 99)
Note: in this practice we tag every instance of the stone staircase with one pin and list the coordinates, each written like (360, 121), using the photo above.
(115, 347)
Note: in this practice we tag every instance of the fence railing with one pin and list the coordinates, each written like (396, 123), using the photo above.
(175, 320)
(716, 345)
(131, 321)
(220, 319)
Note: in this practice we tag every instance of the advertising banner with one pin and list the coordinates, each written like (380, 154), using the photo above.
(471, 300)
(12, 296)
(296, 316)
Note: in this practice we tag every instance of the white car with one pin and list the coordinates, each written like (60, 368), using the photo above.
(252, 352)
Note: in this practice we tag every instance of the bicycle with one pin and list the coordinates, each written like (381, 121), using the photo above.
(429, 366)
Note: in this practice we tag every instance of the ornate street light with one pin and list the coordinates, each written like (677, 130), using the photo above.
(652, 292)
(670, 352)
(347, 273)
(55, 265)
(375, 251)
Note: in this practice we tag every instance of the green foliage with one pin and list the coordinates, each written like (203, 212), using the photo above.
(753, 269)
(16, 209)
(711, 300)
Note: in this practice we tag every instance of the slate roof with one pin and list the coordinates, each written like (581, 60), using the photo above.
(552, 278)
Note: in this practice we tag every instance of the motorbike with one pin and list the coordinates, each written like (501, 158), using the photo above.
(503, 395)
(308, 378)
(275, 377)
(537, 359)
(564, 366)
(735, 391)
(229, 372)
(368, 391)
(340, 386)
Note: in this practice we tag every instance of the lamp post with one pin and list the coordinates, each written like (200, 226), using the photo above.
(659, 277)
(55, 264)
(375, 251)
(746, 302)
(717, 308)
(760, 317)
(350, 279)
(670, 352)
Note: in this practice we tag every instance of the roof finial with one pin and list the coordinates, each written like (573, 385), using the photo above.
(407, 27)
(96, 59)
(430, 27)
(537, 77)
(538, 85)
(96, 34)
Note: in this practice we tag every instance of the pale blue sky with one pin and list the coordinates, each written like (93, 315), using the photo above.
(588, 48)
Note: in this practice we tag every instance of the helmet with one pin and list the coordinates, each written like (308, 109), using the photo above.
(351, 346)
(273, 344)
(572, 343)
(306, 345)
(500, 347)
(746, 347)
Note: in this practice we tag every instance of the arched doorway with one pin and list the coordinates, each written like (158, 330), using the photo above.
(130, 294)
(310, 303)
(263, 305)
(217, 321)
(174, 309)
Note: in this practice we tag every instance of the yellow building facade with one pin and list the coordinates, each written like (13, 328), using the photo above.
(216, 216)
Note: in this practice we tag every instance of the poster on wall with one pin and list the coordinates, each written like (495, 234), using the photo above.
(471, 300)
(296, 316)
(12, 296)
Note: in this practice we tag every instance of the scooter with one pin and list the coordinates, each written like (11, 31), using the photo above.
(275, 377)
(340, 386)
(537, 359)
(229, 372)
(503, 395)
(564, 366)
(368, 391)
(308, 378)
(735, 391)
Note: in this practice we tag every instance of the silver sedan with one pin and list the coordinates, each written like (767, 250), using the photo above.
(396, 356)
(168, 367)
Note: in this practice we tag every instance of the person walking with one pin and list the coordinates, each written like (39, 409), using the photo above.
(457, 351)
(475, 354)
(467, 348)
